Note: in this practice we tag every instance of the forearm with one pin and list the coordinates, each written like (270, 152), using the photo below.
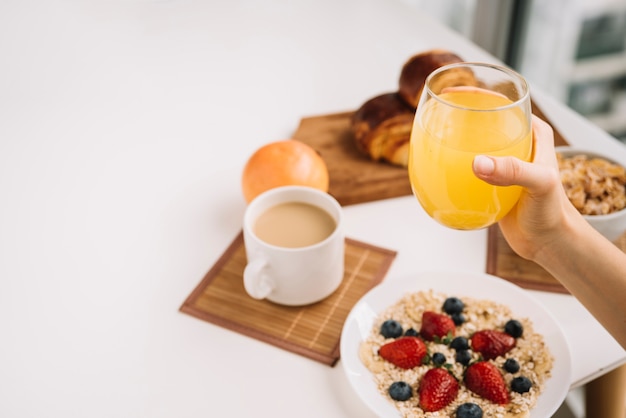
(593, 270)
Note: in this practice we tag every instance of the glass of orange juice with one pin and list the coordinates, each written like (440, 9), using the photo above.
(487, 113)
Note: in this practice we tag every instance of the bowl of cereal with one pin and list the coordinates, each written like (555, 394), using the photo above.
(596, 185)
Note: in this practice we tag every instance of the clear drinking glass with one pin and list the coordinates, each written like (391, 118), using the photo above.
(454, 122)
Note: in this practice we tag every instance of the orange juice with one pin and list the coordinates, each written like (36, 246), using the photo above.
(445, 138)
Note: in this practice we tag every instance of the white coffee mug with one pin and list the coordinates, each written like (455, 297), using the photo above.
(297, 275)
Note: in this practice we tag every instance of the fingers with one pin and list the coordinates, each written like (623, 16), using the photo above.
(509, 171)
(505, 171)
(543, 142)
(537, 176)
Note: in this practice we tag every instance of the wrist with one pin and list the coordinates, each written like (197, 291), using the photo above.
(567, 238)
(569, 241)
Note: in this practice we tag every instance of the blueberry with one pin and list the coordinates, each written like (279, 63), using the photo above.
(521, 384)
(514, 328)
(391, 329)
(438, 359)
(463, 357)
(469, 410)
(459, 343)
(400, 391)
(411, 332)
(458, 318)
(453, 305)
(511, 365)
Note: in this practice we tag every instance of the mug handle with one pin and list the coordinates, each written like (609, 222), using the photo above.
(257, 284)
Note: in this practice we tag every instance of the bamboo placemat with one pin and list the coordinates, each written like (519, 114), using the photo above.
(503, 262)
(314, 330)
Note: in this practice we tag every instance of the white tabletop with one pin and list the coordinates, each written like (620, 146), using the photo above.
(124, 127)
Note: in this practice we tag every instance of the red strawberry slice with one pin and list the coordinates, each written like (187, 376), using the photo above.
(485, 380)
(492, 343)
(436, 325)
(405, 352)
(437, 390)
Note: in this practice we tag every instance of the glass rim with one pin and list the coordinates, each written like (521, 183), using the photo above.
(510, 72)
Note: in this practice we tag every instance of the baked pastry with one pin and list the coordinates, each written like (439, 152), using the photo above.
(382, 128)
(418, 67)
(382, 125)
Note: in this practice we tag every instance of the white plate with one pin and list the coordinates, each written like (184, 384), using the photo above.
(359, 323)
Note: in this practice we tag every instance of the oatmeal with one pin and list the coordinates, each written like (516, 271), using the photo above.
(528, 360)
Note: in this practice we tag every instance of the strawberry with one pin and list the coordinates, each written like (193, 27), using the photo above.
(436, 325)
(484, 379)
(492, 343)
(405, 352)
(437, 389)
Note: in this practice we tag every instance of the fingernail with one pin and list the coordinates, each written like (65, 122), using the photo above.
(483, 165)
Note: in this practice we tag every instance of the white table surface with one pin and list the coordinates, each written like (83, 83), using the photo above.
(124, 127)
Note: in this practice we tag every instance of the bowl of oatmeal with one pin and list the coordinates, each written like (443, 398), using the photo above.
(541, 351)
(596, 186)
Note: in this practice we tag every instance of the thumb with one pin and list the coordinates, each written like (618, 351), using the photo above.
(508, 171)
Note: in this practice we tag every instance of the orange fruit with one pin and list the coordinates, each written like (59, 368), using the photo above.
(283, 163)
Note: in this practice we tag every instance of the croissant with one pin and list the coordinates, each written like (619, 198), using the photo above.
(382, 128)
(382, 125)
(417, 68)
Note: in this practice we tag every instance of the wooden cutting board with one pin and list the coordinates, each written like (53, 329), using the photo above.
(354, 178)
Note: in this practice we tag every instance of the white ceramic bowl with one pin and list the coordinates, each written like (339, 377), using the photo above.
(612, 225)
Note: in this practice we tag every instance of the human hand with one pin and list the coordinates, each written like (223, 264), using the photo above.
(543, 210)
